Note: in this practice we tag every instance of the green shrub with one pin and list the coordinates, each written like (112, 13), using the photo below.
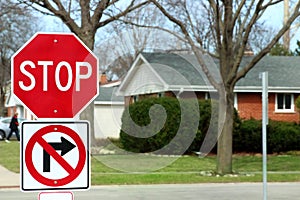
(173, 128)
(283, 136)
(297, 102)
(160, 125)
(248, 137)
(179, 130)
(205, 113)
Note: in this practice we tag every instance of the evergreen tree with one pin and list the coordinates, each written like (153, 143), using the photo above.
(297, 50)
(280, 50)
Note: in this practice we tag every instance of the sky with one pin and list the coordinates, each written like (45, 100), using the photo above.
(272, 17)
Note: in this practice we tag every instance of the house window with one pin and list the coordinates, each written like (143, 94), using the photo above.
(235, 101)
(160, 94)
(207, 96)
(284, 102)
(135, 98)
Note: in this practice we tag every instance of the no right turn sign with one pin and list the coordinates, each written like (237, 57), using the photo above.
(55, 155)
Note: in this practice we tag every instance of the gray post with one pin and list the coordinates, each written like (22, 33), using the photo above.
(264, 129)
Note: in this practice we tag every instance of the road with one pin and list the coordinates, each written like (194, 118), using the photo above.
(229, 191)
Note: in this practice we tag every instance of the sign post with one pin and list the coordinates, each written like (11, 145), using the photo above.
(56, 196)
(265, 121)
(55, 76)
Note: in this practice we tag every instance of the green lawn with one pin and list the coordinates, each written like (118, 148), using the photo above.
(134, 169)
(191, 169)
(10, 155)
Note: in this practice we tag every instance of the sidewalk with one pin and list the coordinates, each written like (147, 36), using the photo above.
(8, 179)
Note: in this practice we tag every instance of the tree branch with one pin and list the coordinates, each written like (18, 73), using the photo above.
(155, 27)
(129, 9)
(242, 45)
(271, 3)
(85, 12)
(267, 49)
(101, 6)
(238, 11)
(218, 22)
(60, 12)
(193, 28)
(31, 5)
(195, 49)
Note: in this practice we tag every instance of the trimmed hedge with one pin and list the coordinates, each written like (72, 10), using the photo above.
(136, 134)
(248, 137)
(169, 126)
(281, 137)
(174, 126)
(183, 131)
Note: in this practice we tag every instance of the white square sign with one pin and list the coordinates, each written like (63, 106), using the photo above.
(54, 155)
(56, 196)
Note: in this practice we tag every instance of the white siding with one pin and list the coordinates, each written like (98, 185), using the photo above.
(144, 81)
(108, 120)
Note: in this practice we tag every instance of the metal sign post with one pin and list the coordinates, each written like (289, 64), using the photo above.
(265, 122)
(55, 76)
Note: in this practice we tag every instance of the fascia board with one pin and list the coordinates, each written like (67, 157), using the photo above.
(109, 103)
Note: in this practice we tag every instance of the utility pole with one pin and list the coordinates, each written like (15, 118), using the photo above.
(286, 36)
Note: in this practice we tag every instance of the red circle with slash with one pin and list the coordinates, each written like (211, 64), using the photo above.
(37, 138)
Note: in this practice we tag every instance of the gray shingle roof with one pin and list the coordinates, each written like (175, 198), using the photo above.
(163, 63)
(283, 71)
(108, 94)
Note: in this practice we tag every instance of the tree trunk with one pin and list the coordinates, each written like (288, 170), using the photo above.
(224, 157)
(88, 114)
(2, 100)
(88, 38)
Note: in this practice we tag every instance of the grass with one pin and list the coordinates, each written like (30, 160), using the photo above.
(134, 169)
(10, 155)
(188, 170)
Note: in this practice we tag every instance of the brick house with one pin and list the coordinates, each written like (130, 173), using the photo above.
(168, 74)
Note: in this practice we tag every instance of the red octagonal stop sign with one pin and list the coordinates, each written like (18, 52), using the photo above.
(55, 75)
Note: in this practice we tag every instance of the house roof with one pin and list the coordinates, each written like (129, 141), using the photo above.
(177, 71)
(283, 71)
(11, 101)
(107, 96)
(111, 83)
(174, 68)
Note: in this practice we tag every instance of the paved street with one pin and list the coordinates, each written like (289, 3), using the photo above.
(229, 191)
(9, 190)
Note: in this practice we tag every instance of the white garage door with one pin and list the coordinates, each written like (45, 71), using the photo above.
(108, 120)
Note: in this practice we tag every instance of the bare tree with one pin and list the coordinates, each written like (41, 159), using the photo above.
(16, 26)
(231, 24)
(84, 18)
(122, 41)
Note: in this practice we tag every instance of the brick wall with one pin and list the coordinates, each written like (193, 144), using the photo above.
(11, 111)
(250, 106)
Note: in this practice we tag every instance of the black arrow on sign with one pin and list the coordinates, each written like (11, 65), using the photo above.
(64, 146)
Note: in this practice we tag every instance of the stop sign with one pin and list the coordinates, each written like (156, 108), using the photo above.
(55, 75)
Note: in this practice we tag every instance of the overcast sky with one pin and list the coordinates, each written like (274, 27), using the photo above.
(273, 17)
